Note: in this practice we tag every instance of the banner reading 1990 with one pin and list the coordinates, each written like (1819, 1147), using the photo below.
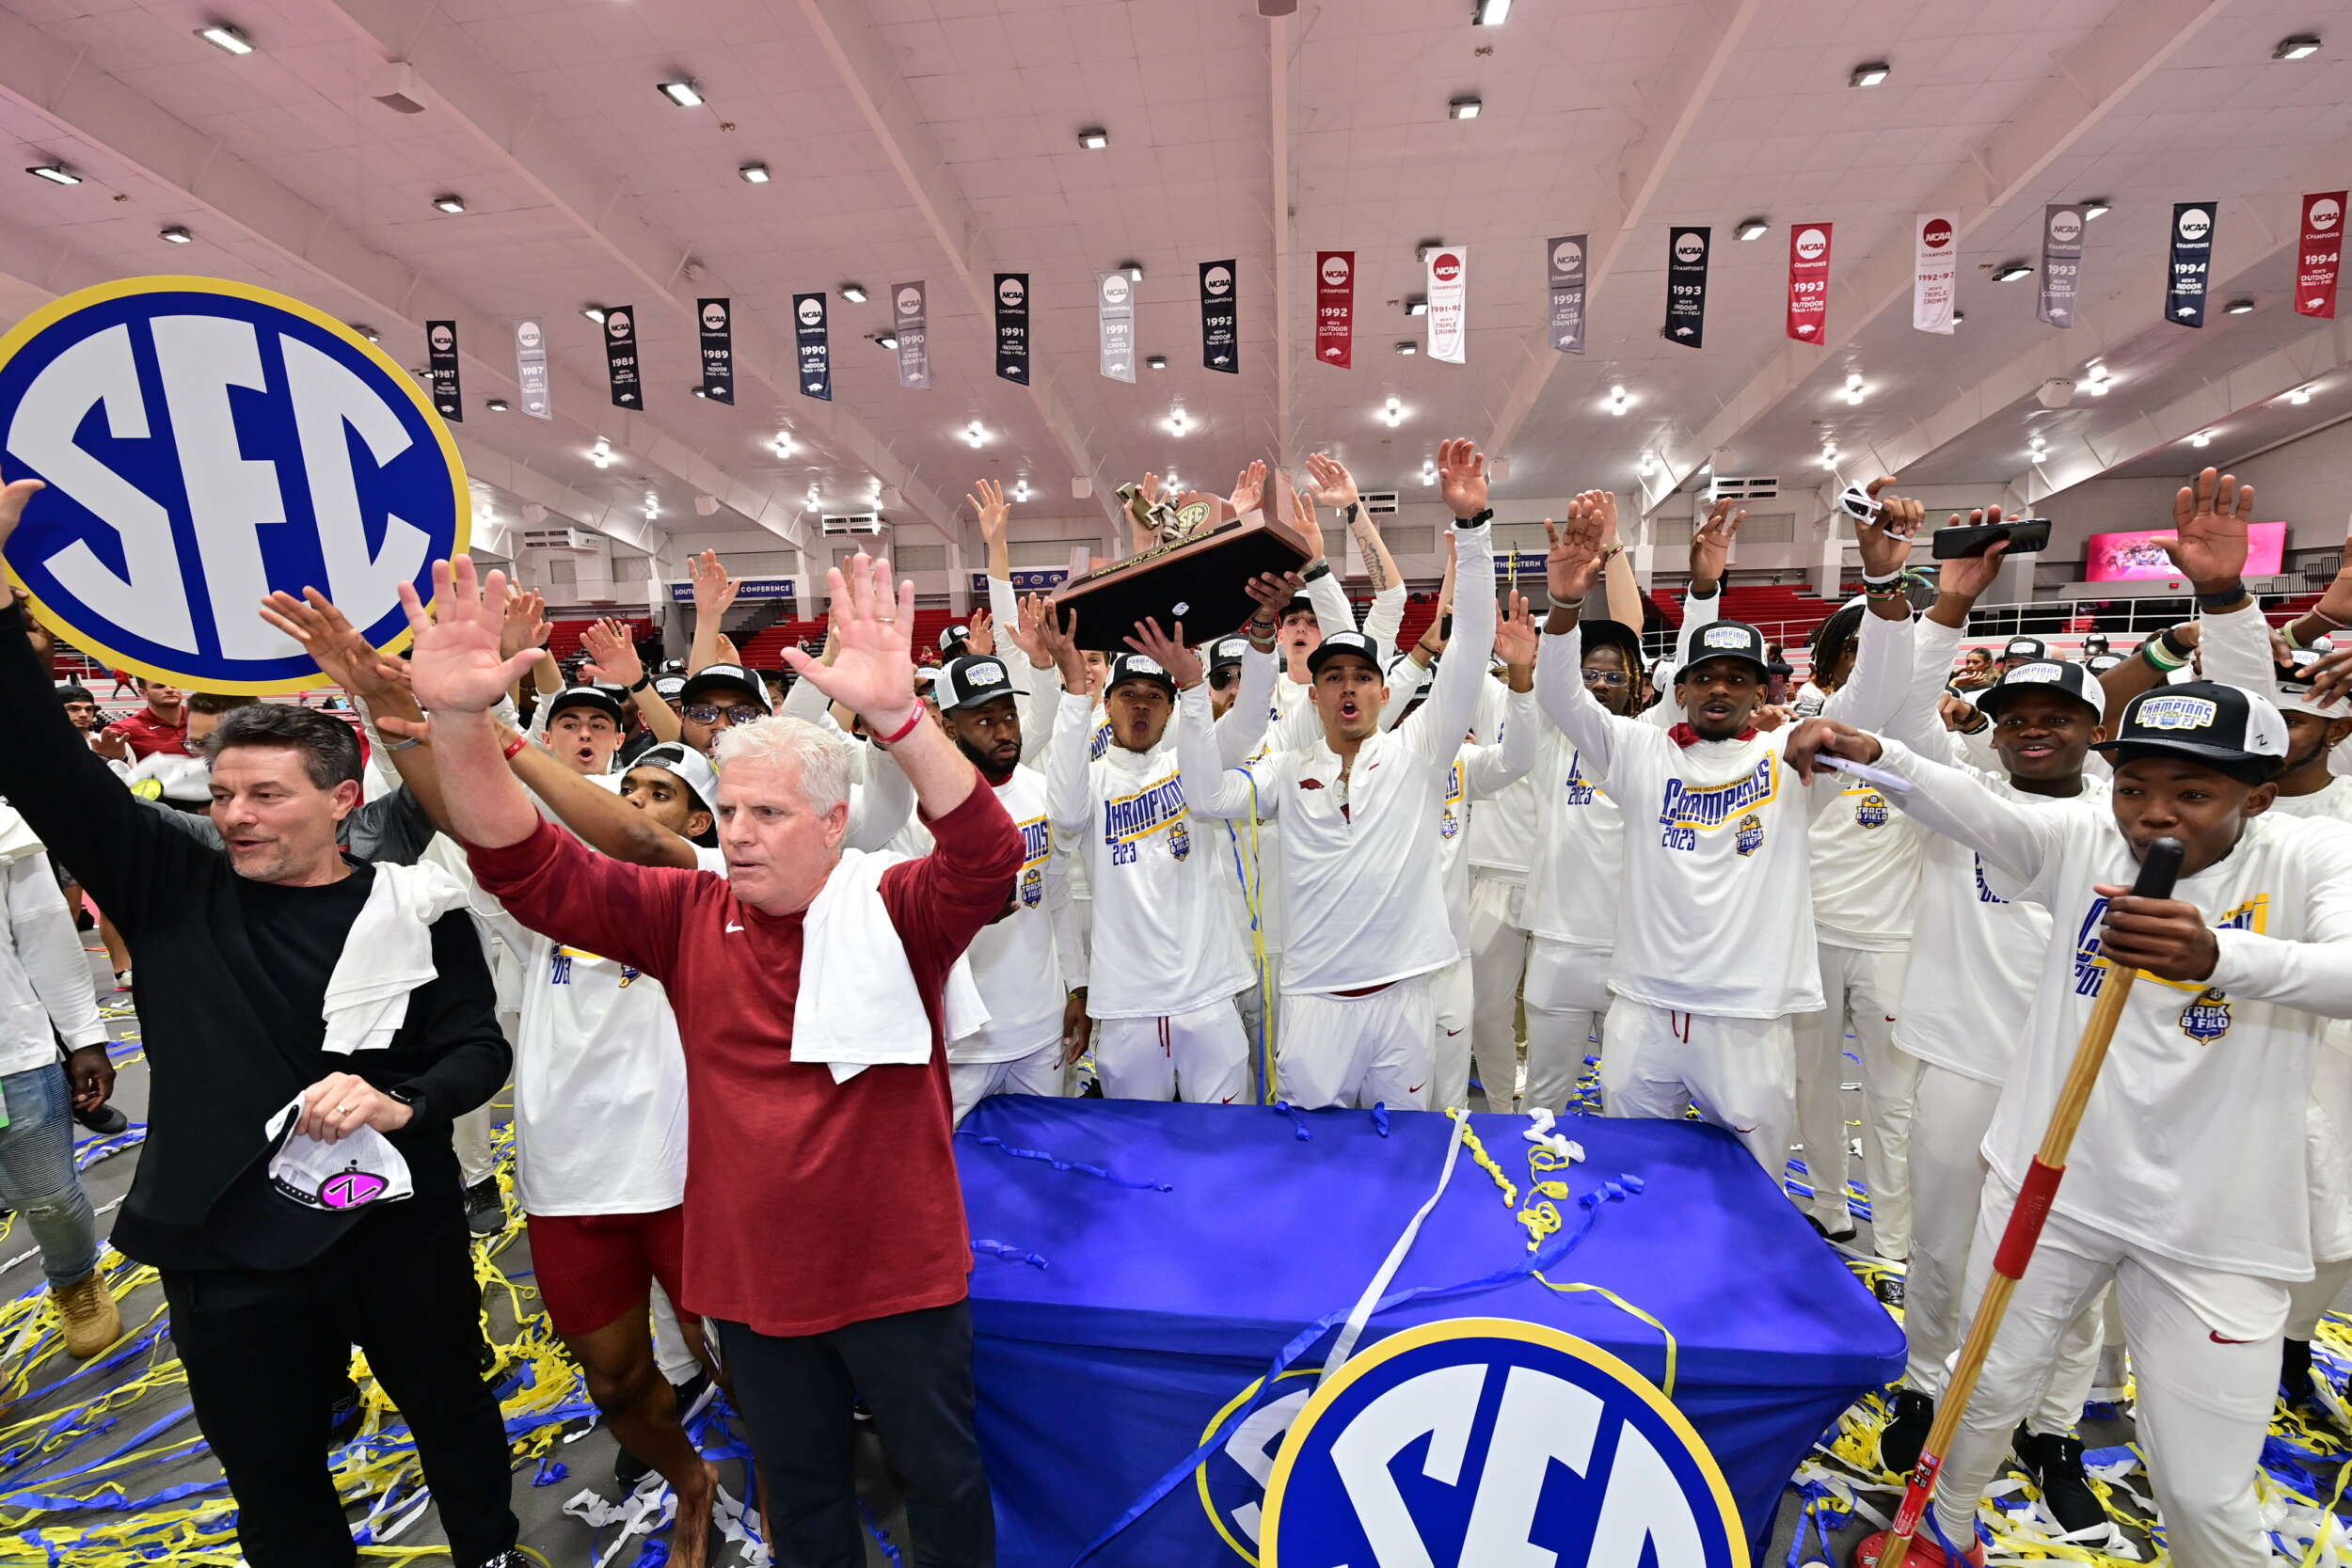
(815, 348)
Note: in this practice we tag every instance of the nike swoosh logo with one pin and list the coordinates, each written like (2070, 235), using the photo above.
(1417, 1087)
(732, 927)
(2217, 1340)
(1227, 1101)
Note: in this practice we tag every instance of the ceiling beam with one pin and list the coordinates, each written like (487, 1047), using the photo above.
(2139, 39)
(1641, 170)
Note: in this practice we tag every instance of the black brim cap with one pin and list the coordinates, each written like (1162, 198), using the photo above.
(725, 677)
(1601, 632)
(1725, 640)
(2226, 727)
(1226, 652)
(1351, 643)
(1138, 667)
(600, 698)
(969, 681)
(2045, 675)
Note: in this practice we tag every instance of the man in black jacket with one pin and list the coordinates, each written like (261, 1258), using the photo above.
(235, 947)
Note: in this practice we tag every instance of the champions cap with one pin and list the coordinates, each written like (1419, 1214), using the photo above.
(671, 689)
(1140, 666)
(2295, 683)
(954, 636)
(970, 681)
(2094, 643)
(686, 765)
(1226, 652)
(604, 699)
(360, 1169)
(2099, 665)
(1725, 640)
(729, 679)
(1353, 643)
(2024, 647)
(2048, 674)
(2230, 730)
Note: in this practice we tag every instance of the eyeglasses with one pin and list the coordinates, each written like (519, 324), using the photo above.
(1221, 679)
(711, 713)
(1611, 678)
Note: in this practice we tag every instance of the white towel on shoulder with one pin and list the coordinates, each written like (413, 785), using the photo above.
(858, 1006)
(387, 954)
(17, 838)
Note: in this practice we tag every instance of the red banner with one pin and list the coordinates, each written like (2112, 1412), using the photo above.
(2315, 265)
(1808, 282)
(1335, 308)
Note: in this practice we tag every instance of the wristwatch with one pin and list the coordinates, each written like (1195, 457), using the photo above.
(643, 682)
(1320, 569)
(410, 1096)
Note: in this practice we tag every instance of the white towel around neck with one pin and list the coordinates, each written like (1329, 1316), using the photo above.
(387, 954)
(858, 1006)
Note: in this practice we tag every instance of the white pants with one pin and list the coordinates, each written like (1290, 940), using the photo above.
(1450, 1001)
(2205, 1389)
(1861, 989)
(1039, 1072)
(470, 1136)
(1950, 1181)
(1740, 1072)
(1359, 1049)
(1200, 1056)
(1499, 949)
(1568, 997)
(1261, 1017)
(2328, 1289)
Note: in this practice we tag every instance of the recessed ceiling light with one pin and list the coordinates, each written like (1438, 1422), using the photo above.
(2097, 207)
(1177, 424)
(449, 202)
(1869, 75)
(1463, 108)
(366, 331)
(975, 435)
(174, 235)
(2238, 306)
(2303, 46)
(887, 339)
(782, 446)
(754, 174)
(1958, 316)
(1021, 490)
(496, 405)
(57, 174)
(601, 454)
(1391, 413)
(223, 36)
(2301, 394)
(2009, 272)
(1418, 305)
(853, 292)
(702, 391)
(1408, 346)
(1617, 402)
(1753, 228)
(1490, 13)
(686, 95)
(1133, 271)
(593, 312)
(2202, 439)
(1094, 138)
(1158, 362)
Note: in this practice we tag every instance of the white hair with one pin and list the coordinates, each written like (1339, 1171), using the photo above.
(823, 758)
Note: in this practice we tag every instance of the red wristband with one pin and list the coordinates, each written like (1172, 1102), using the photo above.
(515, 747)
(914, 716)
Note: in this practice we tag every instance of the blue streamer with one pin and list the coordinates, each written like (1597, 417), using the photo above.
(1298, 1118)
(1380, 1118)
(1008, 1252)
(881, 1536)
(987, 1141)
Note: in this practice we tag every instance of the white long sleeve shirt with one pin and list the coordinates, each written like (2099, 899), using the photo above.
(44, 979)
(1866, 853)
(1576, 885)
(1502, 830)
(1484, 773)
(2192, 1145)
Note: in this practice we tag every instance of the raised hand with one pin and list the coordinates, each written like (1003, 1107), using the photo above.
(1462, 476)
(1574, 559)
(982, 639)
(1898, 514)
(714, 591)
(1967, 576)
(2332, 678)
(526, 624)
(1273, 592)
(1058, 635)
(1887, 542)
(343, 654)
(987, 498)
(454, 662)
(1607, 502)
(1182, 664)
(2209, 522)
(44, 641)
(1333, 484)
(872, 673)
(1248, 490)
(615, 651)
(1514, 634)
(1029, 635)
(1711, 544)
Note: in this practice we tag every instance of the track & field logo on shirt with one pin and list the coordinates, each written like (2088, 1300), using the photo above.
(1870, 810)
(1749, 836)
(205, 443)
(2206, 1019)
(1531, 1445)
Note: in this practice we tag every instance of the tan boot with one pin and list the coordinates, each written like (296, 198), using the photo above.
(93, 1321)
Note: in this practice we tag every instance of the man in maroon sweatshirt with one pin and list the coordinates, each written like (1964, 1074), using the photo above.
(824, 1227)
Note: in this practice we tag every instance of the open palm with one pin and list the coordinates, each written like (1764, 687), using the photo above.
(872, 673)
(454, 664)
(2209, 521)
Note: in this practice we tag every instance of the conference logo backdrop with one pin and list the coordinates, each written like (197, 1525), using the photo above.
(206, 443)
(1478, 1441)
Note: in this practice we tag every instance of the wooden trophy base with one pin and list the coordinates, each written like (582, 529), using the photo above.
(1200, 581)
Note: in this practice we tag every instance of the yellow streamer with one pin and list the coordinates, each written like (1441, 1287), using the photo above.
(1673, 1351)
(1486, 1161)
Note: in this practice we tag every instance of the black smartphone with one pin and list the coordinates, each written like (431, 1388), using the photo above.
(2024, 536)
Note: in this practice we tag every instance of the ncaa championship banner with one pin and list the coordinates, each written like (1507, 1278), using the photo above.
(206, 443)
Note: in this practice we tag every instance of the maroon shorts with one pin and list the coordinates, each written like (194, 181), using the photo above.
(591, 1268)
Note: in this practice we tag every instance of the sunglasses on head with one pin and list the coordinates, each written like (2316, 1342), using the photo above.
(711, 713)
(1221, 679)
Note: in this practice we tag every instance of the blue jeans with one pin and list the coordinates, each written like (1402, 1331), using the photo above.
(37, 1175)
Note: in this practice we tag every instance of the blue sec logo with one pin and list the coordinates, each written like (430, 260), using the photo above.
(1479, 1441)
(205, 443)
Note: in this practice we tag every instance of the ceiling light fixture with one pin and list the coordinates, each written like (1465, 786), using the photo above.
(782, 445)
(2009, 272)
(1133, 271)
(1177, 424)
(366, 331)
(686, 95)
(221, 36)
(1407, 346)
(887, 339)
(1094, 138)
(2301, 394)
(853, 292)
(450, 201)
(57, 174)
(1856, 389)
(1870, 74)
(2303, 46)
(811, 496)
(2096, 207)
(1829, 455)
(2097, 379)
(1157, 363)
(1417, 305)
(1393, 413)
(1958, 316)
(593, 312)
(2202, 439)
(1647, 465)
(974, 436)
(1463, 108)
(1019, 489)
(1618, 401)
(702, 391)
(174, 235)
(1490, 13)
(1428, 470)
(1754, 229)
(601, 454)
(496, 405)
(1175, 485)
(2238, 306)
(754, 174)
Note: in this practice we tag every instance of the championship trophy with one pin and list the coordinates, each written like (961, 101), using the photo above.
(1197, 571)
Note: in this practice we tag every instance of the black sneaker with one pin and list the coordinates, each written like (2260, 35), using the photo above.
(106, 1121)
(2055, 1463)
(1910, 1414)
(485, 1210)
(1889, 1290)
(1827, 1234)
(628, 1470)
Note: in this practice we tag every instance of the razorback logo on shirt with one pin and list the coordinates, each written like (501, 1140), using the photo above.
(2092, 966)
(1311, 783)
(1713, 805)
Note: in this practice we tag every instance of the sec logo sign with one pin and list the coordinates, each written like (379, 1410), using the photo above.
(1484, 1441)
(205, 443)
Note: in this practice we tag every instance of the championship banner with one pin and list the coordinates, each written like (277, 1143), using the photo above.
(440, 357)
(1935, 271)
(815, 350)
(1449, 303)
(1335, 308)
(620, 357)
(717, 326)
(1808, 282)
(1012, 326)
(1115, 324)
(531, 369)
(1564, 264)
(2061, 263)
(181, 494)
(1220, 345)
(2323, 250)
(2192, 262)
(1686, 287)
(911, 313)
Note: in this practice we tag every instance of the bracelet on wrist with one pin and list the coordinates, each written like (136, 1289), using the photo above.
(2333, 624)
(1480, 519)
(1319, 570)
(515, 747)
(1894, 577)
(391, 745)
(914, 716)
(2229, 596)
(2158, 659)
(2169, 640)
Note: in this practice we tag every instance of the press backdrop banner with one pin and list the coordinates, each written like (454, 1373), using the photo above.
(2061, 263)
(1115, 324)
(620, 357)
(1335, 308)
(1449, 303)
(815, 348)
(440, 359)
(1012, 326)
(2323, 251)
(911, 316)
(531, 369)
(1564, 264)
(1934, 270)
(1686, 287)
(2192, 262)
(1808, 282)
(1220, 339)
(717, 319)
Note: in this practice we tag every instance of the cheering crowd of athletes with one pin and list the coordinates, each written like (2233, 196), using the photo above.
(699, 915)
